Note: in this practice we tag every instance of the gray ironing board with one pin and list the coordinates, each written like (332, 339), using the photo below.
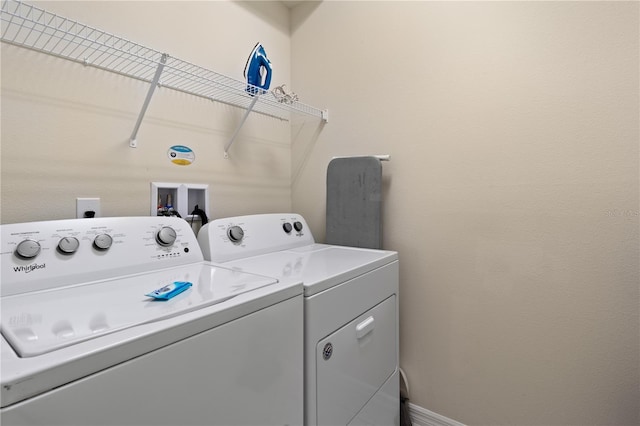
(354, 202)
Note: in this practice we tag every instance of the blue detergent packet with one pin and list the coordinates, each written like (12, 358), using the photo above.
(169, 291)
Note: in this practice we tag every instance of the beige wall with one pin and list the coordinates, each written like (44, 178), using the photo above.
(65, 128)
(512, 193)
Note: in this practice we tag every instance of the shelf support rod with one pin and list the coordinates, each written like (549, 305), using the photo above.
(133, 143)
(235, 134)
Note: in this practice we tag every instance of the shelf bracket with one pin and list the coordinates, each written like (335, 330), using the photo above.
(235, 134)
(133, 143)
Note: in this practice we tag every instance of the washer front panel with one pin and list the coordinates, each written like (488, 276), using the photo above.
(245, 372)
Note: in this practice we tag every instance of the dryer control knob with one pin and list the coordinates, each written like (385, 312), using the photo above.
(102, 241)
(28, 249)
(166, 236)
(297, 226)
(235, 234)
(68, 245)
(287, 227)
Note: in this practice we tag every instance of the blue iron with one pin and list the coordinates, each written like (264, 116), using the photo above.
(258, 71)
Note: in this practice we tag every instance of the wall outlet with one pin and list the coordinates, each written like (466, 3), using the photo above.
(84, 207)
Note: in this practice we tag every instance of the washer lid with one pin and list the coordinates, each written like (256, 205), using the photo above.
(40, 322)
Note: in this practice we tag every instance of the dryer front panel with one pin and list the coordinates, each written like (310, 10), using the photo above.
(354, 362)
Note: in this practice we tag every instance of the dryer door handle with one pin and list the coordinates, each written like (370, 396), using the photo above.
(365, 327)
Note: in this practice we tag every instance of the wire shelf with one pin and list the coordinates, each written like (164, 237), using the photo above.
(34, 28)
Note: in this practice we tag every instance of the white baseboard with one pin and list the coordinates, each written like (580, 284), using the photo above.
(423, 417)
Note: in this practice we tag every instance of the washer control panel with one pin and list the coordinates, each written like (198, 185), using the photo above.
(40, 255)
(226, 239)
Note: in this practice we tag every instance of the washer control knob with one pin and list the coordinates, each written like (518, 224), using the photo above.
(297, 226)
(102, 241)
(287, 227)
(68, 245)
(28, 249)
(166, 236)
(235, 234)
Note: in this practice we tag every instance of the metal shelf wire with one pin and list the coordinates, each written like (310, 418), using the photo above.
(37, 29)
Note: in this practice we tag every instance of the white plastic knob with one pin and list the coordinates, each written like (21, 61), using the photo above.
(68, 245)
(166, 236)
(235, 234)
(28, 249)
(102, 241)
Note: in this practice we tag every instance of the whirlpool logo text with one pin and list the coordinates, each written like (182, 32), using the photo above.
(29, 268)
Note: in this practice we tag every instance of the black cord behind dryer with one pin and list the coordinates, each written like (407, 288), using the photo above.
(199, 212)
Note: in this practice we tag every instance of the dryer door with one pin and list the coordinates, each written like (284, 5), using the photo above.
(354, 362)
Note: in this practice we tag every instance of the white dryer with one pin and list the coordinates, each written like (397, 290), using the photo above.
(83, 344)
(350, 312)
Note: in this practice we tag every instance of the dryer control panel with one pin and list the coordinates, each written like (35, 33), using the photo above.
(41, 255)
(239, 237)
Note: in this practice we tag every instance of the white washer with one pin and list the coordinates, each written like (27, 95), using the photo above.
(82, 344)
(350, 312)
